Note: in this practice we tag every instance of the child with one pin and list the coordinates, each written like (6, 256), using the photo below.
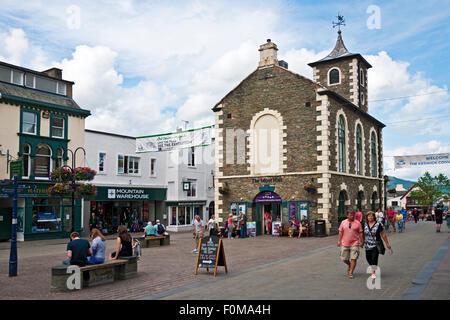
(399, 218)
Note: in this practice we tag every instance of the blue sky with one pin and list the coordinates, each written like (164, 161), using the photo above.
(143, 66)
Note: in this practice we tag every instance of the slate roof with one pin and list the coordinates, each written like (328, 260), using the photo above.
(19, 91)
(339, 51)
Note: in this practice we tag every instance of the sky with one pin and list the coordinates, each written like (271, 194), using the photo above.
(144, 67)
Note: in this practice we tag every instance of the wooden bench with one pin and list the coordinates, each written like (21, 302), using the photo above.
(147, 242)
(92, 275)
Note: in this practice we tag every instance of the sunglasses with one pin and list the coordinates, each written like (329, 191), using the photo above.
(349, 225)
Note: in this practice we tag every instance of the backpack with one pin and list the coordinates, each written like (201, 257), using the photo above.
(161, 229)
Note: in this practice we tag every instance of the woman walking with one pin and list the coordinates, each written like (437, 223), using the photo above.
(230, 226)
(373, 235)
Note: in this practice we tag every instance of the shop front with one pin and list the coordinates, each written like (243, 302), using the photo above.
(182, 213)
(40, 216)
(129, 206)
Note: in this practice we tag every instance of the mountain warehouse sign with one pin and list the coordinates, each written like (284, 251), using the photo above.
(125, 193)
(422, 160)
(174, 141)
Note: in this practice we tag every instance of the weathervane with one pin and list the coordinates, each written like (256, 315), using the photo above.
(341, 22)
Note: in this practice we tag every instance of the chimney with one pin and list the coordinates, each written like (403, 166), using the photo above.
(268, 54)
(54, 73)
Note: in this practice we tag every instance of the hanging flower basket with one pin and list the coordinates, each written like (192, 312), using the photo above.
(224, 189)
(84, 174)
(61, 174)
(310, 187)
(59, 190)
(86, 190)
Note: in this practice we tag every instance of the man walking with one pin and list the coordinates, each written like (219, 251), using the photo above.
(350, 238)
(439, 213)
(391, 219)
(199, 230)
(416, 215)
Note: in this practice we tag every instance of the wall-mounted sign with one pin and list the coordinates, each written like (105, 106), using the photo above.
(186, 186)
(45, 114)
(267, 196)
(16, 167)
(267, 180)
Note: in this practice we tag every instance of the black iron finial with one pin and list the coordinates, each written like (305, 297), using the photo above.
(341, 22)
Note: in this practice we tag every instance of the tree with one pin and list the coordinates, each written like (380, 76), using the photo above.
(431, 190)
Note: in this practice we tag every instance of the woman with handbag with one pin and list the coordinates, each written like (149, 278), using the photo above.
(373, 241)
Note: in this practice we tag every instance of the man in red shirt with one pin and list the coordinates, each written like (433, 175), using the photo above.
(350, 238)
(391, 219)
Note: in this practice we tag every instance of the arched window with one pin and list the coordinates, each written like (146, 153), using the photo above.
(361, 76)
(341, 147)
(374, 199)
(58, 162)
(266, 136)
(359, 162)
(334, 76)
(42, 161)
(373, 153)
(26, 149)
(359, 200)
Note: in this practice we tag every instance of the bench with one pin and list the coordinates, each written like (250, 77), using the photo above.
(92, 275)
(147, 242)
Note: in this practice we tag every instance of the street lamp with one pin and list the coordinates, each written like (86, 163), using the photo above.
(74, 154)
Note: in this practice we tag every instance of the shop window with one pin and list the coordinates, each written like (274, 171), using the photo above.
(58, 162)
(193, 189)
(174, 216)
(341, 147)
(181, 216)
(133, 165)
(334, 76)
(57, 124)
(101, 162)
(42, 161)
(46, 215)
(188, 215)
(191, 157)
(29, 122)
(26, 160)
(152, 167)
(126, 164)
(359, 162)
(373, 152)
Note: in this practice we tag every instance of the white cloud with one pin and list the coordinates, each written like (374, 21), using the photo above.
(18, 50)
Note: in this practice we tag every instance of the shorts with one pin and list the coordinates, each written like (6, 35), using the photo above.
(198, 236)
(349, 253)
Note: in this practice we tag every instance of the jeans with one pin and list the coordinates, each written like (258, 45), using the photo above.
(243, 231)
(94, 260)
(230, 231)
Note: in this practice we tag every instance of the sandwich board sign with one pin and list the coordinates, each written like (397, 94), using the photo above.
(211, 254)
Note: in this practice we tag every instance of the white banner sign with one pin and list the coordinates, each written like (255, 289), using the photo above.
(422, 160)
(175, 140)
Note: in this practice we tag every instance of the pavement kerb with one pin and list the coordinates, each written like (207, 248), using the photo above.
(422, 279)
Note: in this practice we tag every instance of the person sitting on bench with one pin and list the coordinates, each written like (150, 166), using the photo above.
(150, 230)
(77, 251)
(124, 248)
(98, 247)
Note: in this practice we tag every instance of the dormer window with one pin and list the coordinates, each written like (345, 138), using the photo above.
(334, 76)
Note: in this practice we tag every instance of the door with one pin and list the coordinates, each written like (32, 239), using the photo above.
(259, 220)
(275, 212)
(5, 223)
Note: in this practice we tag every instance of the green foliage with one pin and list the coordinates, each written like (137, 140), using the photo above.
(431, 189)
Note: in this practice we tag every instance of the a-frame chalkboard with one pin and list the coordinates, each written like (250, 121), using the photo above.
(211, 254)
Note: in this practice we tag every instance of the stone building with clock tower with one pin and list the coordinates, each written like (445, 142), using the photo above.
(291, 146)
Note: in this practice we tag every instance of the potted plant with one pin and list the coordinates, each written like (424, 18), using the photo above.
(224, 189)
(61, 174)
(84, 174)
(310, 187)
(86, 190)
(59, 189)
